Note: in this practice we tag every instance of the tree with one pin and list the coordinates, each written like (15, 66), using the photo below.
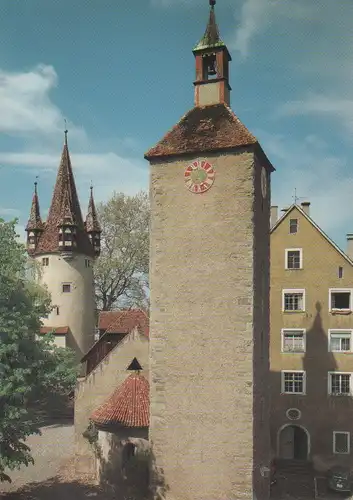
(121, 271)
(29, 368)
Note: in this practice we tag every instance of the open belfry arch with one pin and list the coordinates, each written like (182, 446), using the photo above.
(209, 279)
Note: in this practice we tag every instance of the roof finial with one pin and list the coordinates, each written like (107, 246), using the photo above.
(212, 3)
(35, 184)
(65, 132)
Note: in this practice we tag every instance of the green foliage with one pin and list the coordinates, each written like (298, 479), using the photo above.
(121, 272)
(29, 369)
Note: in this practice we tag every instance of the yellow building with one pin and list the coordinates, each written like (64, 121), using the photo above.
(311, 344)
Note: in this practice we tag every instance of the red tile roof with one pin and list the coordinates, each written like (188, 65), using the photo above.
(35, 221)
(92, 223)
(124, 321)
(58, 330)
(204, 129)
(128, 405)
(64, 203)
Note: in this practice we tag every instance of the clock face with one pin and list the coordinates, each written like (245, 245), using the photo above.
(264, 182)
(199, 176)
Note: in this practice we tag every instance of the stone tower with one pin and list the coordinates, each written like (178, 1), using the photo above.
(65, 248)
(209, 279)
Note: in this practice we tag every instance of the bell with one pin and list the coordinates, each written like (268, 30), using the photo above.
(211, 68)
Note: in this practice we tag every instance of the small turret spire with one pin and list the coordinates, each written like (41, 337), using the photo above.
(35, 225)
(65, 132)
(211, 37)
(212, 65)
(92, 224)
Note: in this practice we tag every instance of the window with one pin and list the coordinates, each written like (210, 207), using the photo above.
(293, 300)
(340, 272)
(45, 261)
(340, 340)
(340, 299)
(339, 384)
(341, 442)
(293, 340)
(293, 226)
(293, 382)
(87, 263)
(294, 258)
(66, 287)
(56, 309)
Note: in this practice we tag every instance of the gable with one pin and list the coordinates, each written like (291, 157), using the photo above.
(309, 235)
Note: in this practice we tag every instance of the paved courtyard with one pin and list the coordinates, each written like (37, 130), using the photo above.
(49, 451)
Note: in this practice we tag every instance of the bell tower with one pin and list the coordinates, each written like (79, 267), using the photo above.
(212, 66)
(209, 292)
(65, 248)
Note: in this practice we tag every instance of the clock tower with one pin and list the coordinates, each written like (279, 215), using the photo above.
(209, 279)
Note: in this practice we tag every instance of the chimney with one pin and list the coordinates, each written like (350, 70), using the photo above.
(274, 215)
(306, 207)
(349, 251)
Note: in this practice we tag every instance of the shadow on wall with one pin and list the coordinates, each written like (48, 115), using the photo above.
(123, 463)
(321, 413)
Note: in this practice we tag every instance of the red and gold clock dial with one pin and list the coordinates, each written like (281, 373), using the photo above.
(199, 176)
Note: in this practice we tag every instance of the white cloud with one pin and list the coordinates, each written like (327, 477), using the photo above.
(28, 113)
(339, 109)
(25, 105)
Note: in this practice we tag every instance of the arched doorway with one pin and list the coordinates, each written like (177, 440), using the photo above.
(293, 442)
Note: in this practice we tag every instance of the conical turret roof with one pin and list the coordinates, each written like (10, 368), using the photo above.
(35, 220)
(65, 203)
(128, 405)
(92, 223)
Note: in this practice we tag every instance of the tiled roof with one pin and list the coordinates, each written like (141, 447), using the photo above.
(124, 321)
(92, 223)
(35, 221)
(64, 203)
(128, 405)
(58, 330)
(203, 129)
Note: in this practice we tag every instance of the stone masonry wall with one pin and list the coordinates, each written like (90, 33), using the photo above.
(202, 329)
(92, 391)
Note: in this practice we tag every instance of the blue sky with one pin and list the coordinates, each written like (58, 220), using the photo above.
(121, 73)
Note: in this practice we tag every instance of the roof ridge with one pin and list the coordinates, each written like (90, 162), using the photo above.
(316, 226)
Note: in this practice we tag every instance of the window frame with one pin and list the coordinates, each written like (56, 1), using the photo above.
(87, 263)
(340, 331)
(283, 382)
(65, 284)
(283, 332)
(45, 261)
(348, 443)
(292, 291)
(286, 251)
(297, 224)
(329, 383)
(340, 290)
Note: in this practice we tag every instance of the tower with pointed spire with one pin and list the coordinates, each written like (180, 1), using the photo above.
(212, 65)
(65, 247)
(209, 296)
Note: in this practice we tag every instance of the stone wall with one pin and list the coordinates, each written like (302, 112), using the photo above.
(203, 329)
